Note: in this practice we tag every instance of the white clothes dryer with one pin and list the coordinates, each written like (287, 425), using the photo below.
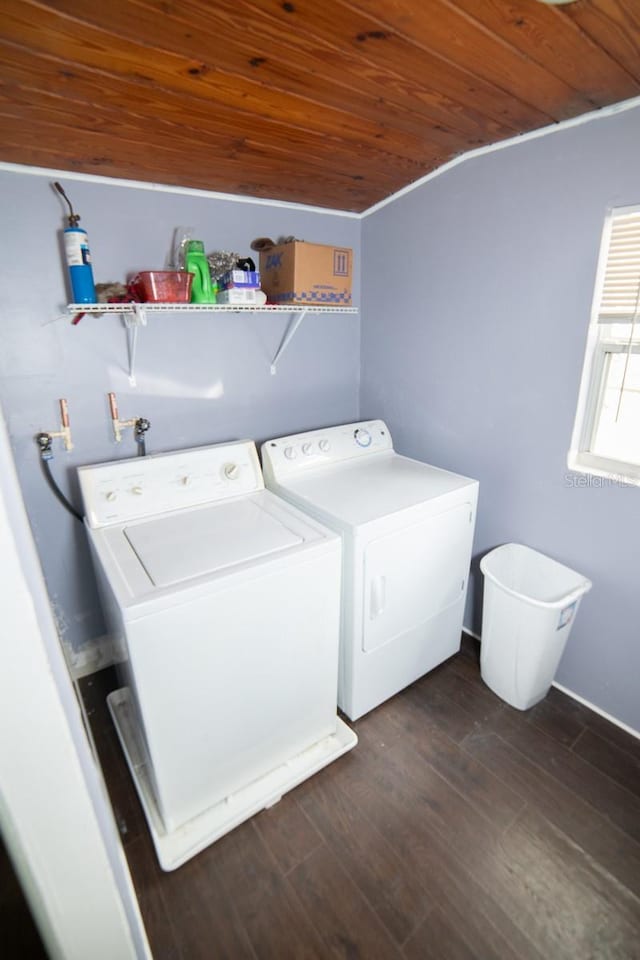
(224, 601)
(407, 531)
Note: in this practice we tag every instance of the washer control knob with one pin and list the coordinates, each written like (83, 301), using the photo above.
(362, 437)
(231, 471)
(185, 481)
(111, 496)
(307, 449)
(325, 446)
(290, 453)
(137, 490)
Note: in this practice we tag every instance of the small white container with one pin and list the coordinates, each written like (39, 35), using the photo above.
(244, 295)
(530, 603)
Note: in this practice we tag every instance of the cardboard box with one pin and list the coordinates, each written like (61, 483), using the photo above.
(300, 272)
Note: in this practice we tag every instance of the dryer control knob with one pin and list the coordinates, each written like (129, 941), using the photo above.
(362, 437)
(185, 481)
(307, 449)
(231, 471)
(137, 490)
(111, 496)
(325, 446)
(290, 453)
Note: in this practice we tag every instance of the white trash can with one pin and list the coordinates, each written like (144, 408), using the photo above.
(530, 603)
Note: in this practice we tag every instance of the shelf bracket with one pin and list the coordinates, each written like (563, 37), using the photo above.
(134, 318)
(294, 322)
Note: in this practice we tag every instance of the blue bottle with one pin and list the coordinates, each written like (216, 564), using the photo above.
(76, 246)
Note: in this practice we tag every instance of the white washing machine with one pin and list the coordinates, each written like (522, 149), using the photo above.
(224, 600)
(407, 531)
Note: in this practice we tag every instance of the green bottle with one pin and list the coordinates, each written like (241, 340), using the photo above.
(196, 263)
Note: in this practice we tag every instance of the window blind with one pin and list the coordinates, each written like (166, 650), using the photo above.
(620, 298)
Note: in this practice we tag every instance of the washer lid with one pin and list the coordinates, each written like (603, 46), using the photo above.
(359, 491)
(190, 543)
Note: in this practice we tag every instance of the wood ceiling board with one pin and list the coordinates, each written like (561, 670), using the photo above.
(87, 156)
(112, 127)
(39, 108)
(453, 35)
(75, 43)
(265, 55)
(394, 100)
(553, 39)
(430, 79)
(613, 26)
(339, 103)
(289, 183)
(222, 133)
(204, 149)
(127, 94)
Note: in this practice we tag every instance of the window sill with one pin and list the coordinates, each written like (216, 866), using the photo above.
(616, 472)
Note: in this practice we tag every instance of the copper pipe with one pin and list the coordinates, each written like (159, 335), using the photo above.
(113, 406)
(64, 413)
(65, 429)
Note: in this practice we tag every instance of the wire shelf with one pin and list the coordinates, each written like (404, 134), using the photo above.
(135, 316)
(75, 308)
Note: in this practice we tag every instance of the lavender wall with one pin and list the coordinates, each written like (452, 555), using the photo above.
(201, 378)
(476, 299)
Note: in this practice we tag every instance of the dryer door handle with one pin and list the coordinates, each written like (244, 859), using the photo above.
(377, 597)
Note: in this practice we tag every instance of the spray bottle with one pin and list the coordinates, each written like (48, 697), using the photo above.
(76, 246)
(196, 263)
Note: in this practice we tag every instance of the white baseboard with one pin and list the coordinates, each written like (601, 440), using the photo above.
(592, 706)
(95, 655)
(576, 696)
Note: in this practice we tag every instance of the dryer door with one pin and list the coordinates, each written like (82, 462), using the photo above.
(413, 574)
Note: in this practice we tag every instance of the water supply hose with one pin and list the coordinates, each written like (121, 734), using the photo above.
(45, 441)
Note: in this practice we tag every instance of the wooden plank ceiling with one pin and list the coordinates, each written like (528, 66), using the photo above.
(337, 103)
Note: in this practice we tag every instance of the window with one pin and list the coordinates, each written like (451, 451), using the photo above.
(606, 435)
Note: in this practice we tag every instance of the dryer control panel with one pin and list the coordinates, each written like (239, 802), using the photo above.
(126, 490)
(290, 456)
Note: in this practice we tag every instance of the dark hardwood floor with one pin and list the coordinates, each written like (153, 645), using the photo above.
(19, 936)
(458, 828)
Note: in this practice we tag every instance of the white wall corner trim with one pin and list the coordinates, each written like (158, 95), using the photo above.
(169, 188)
(598, 114)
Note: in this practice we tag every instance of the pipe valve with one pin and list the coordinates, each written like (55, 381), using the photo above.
(140, 425)
(45, 439)
(140, 428)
